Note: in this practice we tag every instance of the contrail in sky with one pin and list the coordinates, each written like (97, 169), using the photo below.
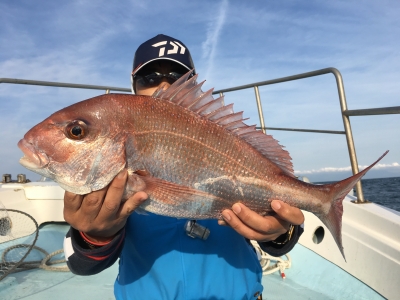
(210, 44)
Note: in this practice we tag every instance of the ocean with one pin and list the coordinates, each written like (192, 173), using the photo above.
(382, 191)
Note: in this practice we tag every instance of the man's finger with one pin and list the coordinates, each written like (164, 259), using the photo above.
(233, 220)
(132, 203)
(253, 219)
(117, 185)
(291, 214)
(222, 223)
(112, 200)
(72, 202)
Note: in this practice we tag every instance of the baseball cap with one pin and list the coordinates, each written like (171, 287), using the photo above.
(162, 47)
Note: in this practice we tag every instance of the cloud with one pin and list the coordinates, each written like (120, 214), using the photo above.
(94, 42)
(347, 169)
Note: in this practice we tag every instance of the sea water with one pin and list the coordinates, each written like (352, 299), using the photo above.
(382, 191)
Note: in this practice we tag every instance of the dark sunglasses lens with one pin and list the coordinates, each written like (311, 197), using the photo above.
(154, 79)
(174, 75)
(148, 81)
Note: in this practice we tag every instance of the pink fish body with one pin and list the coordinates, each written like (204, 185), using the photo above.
(193, 156)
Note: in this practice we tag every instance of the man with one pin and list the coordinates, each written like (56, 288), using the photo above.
(163, 257)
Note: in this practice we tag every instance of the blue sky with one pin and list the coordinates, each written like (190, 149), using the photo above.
(232, 43)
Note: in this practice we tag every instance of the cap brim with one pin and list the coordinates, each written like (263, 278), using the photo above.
(160, 58)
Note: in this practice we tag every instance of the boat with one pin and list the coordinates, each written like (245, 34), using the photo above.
(31, 214)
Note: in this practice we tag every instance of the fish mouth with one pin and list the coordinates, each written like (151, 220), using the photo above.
(32, 159)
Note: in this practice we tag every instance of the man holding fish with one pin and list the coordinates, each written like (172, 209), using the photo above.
(163, 257)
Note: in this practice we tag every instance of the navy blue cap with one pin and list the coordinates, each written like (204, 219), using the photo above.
(162, 47)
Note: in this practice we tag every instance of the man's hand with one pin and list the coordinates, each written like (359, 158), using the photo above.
(251, 225)
(101, 214)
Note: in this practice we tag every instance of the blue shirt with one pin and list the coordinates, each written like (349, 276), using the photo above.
(160, 261)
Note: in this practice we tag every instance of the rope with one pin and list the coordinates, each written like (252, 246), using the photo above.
(265, 261)
(45, 263)
(21, 265)
(15, 265)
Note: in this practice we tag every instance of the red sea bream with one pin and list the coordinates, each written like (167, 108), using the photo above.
(191, 154)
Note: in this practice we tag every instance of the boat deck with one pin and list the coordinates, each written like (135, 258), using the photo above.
(310, 277)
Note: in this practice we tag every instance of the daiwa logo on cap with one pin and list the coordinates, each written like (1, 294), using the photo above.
(174, 50)
(162, 47)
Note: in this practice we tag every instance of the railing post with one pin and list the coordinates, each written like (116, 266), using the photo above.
(260, 112)
(349, 134)
(221, 95)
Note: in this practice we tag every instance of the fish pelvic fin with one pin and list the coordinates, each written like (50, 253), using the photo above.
(175, 200)
(339, 190)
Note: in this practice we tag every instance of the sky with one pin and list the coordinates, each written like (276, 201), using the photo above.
(232, 43)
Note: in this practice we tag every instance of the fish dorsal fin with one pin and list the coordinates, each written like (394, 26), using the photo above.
(188, 93)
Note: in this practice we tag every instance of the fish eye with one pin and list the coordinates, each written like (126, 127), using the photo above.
(76, 130)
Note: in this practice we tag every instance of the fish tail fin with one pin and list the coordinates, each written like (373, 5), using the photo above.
(339, 190)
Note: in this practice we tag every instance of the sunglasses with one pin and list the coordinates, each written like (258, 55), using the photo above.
(155, 78)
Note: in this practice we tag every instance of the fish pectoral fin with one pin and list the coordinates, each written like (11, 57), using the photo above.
(175, 194)
(142, 172)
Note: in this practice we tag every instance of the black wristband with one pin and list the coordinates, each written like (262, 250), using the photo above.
(277, 250)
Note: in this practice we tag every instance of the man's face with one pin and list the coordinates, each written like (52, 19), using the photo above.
(159, 66)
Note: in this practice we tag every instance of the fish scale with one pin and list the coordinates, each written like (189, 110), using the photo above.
(193, 141)
(189, 152)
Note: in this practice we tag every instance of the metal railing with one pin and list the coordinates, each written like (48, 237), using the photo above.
(342, 99)
(343, 105)
(63, 84)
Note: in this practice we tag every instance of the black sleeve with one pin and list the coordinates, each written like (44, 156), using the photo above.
(279, 250)
(82, 260)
